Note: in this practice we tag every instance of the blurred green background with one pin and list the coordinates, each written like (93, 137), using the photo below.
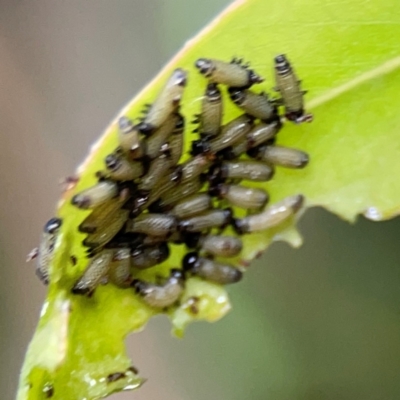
(322, 322)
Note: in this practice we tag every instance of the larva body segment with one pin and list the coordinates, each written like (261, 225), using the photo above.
(262, 133)
(120, 268)
(249, 170)
(210, 118)
(211, 270)
(96, 195)
(272, 216)
(207, 220)
(158, 168)
(242, 196)
(216, 245)
(46, 248)
(288, 85)
(166, 103)
(257, 105)
(129, 138)
(155, 142)
(121, 169)
(95, 272)
(233, 74)
(194, 167)
(184, 190)
(153, 224)
(284, 156)
(175, 143)
(149, 256)
(104, 233)
(192, 205)
(231, 133)
(163, 295)
(101, 216)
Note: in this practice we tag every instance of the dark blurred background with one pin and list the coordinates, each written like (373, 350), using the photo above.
(320, 323)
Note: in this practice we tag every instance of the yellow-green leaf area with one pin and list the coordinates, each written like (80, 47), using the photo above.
(347, 55)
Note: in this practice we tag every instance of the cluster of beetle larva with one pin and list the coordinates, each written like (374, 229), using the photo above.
(145, 199)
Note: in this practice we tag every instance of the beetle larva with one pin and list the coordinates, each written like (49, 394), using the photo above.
(184, 190)
(46, 248)
(288, 86)
(103, 234)
(120, 268)
(167, 183)
(160, 136)
(96, 195)
(194, 167)
(164, 295)
(97, 269)
(231, 133)
(121, 169)
(100, 216)
(144, 257)
(272, 216)
(215, 245)
(283, 156)
(262, 133)
(211, 270)
(257, 105)
(208, 220)
(192, 205)
(233, 74)
(153, 224)
(210, 117)
(250, 170)
(158, 168)
(241, 196)
(166, 103)
(129, 138)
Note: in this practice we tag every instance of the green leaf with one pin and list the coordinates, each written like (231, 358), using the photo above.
(347, 54)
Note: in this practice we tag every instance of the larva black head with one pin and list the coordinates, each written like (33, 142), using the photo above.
(239, 226)
(254, 78)
(83, 291)
(203, 65)
(216, 174)
(145, 128)
(189, 262)
(280, 59)
(125, 125)
(199, 147)
(179, 77)
(254, 152)
(176, 274)
(112, 162)
(237, 95)
(52, 225)
(228, 213)
(158, 207)
(163, 250)
(213, 93)
(216, 190)
(138, 285)
(282, 64)
(192, 239)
